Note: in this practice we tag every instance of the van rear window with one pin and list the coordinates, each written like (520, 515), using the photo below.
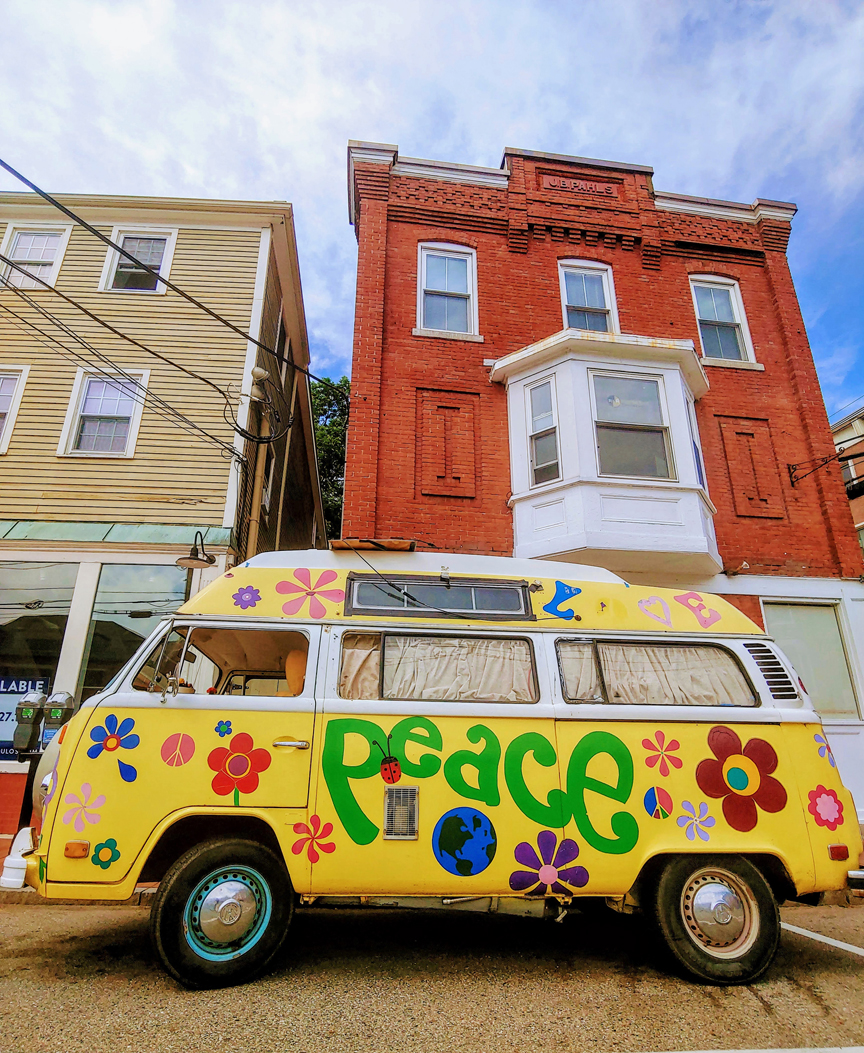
(652, 674)
(445, 668)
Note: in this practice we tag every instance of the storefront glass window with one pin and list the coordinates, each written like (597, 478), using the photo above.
(34, 606)
(130, 600)
(810, 635)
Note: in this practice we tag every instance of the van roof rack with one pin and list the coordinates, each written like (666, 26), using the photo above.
(372, 544)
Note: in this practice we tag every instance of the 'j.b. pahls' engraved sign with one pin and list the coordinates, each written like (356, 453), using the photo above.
(581, 186)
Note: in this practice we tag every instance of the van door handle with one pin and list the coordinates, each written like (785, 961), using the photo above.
(299, 745)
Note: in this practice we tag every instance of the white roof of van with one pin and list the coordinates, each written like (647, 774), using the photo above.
(432, 563)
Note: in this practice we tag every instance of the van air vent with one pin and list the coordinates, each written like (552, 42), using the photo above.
(779, 683)
(400, 813)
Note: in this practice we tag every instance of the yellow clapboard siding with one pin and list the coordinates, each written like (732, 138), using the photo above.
(175, 476)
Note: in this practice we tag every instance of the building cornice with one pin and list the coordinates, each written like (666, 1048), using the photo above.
(583, 162)
(170, 211)
(604, 345)
(738, 211)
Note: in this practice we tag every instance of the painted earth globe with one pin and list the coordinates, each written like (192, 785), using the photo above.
(464, 841)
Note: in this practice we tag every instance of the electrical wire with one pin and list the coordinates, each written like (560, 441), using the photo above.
(164, 281)
(140, 394)
(109, 327)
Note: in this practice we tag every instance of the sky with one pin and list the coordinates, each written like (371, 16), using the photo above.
(257, 99)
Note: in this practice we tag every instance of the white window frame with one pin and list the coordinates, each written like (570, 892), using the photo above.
(666, 426)
(529, 422)
(113, 257)
(63, 229)
(441, 248)
(73, 414)
(737, 310)
(23, 372)
(590, 267)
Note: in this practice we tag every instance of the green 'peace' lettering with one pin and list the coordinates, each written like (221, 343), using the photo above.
(486, 763)
(624, 826)
(556, 812)
(358, 826)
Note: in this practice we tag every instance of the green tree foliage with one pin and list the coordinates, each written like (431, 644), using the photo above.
(330, 410)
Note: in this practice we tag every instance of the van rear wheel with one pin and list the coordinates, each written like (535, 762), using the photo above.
(718, 917)
(221, 913)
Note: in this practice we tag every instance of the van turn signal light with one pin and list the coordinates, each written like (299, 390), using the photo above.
(77, 849)
(838, 852)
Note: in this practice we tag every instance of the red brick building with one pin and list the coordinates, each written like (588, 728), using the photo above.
(554, 360)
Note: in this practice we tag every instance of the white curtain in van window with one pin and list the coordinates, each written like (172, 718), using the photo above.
(668, 675)
(361, 664)
(458, 669)
(579, 671)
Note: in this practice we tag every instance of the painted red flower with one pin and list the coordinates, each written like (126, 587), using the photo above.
(237, 766)
(313, 839)
(825, 807)
(662, 751)
(306, 590)
(742, 777)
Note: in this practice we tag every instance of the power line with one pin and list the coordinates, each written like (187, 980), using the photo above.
(109, 327)
(157, 404)
(845, 404)
(155, 273)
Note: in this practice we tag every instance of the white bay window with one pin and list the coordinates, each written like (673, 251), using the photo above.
(605, 458)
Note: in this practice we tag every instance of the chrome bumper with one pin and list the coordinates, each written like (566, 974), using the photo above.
(855, 879)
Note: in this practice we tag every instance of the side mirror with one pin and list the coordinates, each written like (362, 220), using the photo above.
(173, 686)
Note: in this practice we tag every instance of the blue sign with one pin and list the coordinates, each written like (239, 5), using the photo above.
(12, 690)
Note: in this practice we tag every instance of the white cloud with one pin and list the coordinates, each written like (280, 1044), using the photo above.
(257, 99)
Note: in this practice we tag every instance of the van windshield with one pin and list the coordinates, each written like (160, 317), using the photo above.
(227, 661)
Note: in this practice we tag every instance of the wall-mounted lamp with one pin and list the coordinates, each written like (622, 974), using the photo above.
(193, 561)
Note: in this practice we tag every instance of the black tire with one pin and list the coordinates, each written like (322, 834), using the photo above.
(718, 917)
(237, 891)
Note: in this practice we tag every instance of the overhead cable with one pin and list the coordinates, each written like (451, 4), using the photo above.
(168, 284)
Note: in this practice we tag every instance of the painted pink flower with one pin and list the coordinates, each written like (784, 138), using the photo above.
(661, 752)
(83, 809)
(306, 590)
(313, 839)
(825, 807)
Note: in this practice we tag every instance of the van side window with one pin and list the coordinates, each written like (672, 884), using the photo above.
(441, 668)
(237, 662)
(579, 674)
(666, 674)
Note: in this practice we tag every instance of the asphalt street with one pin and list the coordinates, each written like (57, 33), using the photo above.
(79, 978)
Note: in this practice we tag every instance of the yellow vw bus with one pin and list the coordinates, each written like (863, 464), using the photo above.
(438, 730)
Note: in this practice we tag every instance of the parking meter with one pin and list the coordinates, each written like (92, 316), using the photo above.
(58, 709)
(28, 713)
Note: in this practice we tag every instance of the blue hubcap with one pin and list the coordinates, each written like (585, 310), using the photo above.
(227, 913)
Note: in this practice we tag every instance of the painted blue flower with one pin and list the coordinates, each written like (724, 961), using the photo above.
(112, 737)
(246, 597)
(223, 728)
(696, 824)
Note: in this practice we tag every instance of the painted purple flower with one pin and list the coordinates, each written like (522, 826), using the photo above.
(825, 749)
(246, 597)
(550, 869)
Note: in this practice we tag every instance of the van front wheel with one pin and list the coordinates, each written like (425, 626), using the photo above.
(718, 917)
(221, 913)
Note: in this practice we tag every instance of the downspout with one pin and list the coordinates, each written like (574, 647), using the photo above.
(257, 492)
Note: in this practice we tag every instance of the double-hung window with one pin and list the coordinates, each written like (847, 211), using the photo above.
(12, 382)
(36, 254)
(722, 324)
(148, 248)
(104, 415)
(631, 426)
(447, 292)
(588, 297)
(543, 433)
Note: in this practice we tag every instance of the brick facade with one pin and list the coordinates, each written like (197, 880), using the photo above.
(408, 389)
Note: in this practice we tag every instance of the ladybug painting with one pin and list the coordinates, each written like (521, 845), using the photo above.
(391, 771)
